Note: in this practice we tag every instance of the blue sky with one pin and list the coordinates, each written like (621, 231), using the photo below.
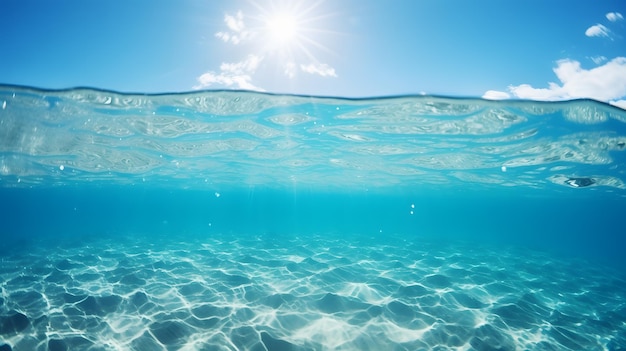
(536, 49)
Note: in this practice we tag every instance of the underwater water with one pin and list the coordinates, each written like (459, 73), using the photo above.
(225, 220)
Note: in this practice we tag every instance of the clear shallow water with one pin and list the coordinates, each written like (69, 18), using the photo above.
(245, 221)
(250, 139)
(256, 292)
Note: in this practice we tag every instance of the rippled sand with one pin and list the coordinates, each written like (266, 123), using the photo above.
(278, 293)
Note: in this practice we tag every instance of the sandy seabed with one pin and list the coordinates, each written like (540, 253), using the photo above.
(322, 292)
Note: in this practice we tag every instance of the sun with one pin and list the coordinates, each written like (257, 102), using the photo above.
(287, 29)
(282, 29)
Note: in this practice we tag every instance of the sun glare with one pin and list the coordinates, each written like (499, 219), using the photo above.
(288, 34)
(288, 28)
(282, 28)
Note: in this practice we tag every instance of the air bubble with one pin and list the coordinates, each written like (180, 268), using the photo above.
(61, 167)
(4, 104)
(217, 194)
(503, 168)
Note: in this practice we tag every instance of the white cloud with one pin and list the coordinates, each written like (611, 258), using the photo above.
(598, 59)
(526, 91)
(496, 95)
(614, 16)
(605, 83)
(619, 103)
(597, 31)
(236, 74)
(238, 31)
(321, 69)
(228, 80)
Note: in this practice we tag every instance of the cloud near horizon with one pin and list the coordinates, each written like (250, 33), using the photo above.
(236, 74)
(605, 83)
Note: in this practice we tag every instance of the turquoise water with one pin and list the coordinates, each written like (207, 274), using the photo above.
(227, 220)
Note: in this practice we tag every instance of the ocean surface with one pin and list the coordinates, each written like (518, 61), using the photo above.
(229, 220)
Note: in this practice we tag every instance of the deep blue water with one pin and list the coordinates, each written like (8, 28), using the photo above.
(245, 221)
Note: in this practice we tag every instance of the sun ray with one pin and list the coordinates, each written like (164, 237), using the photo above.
(288, 29)
(282, 27)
